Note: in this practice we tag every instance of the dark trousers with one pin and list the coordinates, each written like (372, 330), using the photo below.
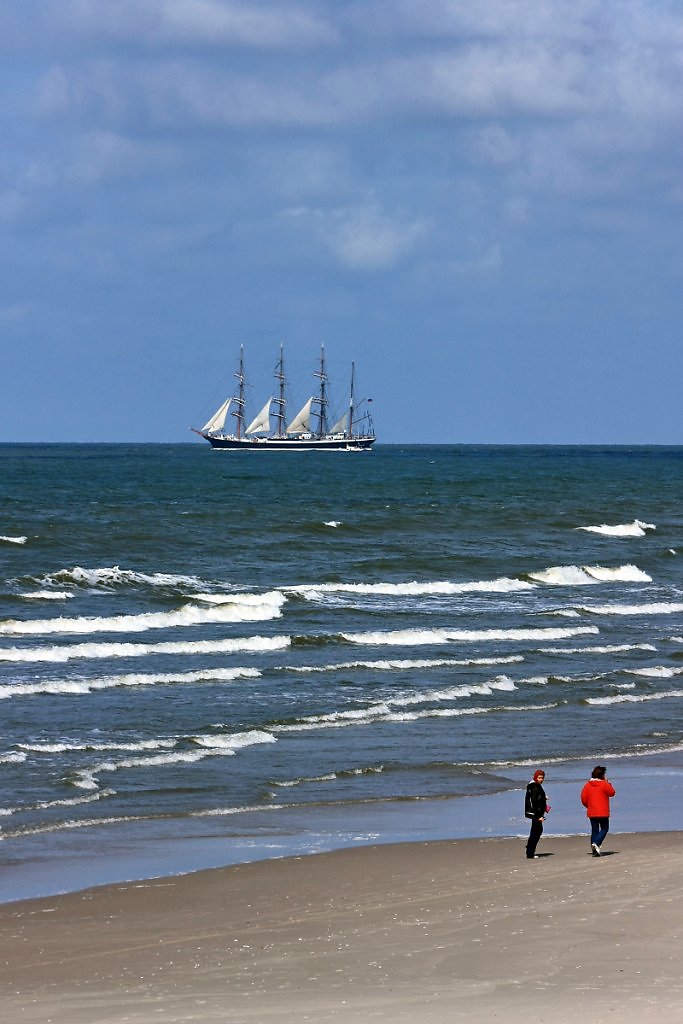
(534, 835)
(599, 829)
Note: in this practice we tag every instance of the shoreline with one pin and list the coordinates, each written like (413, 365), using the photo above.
(649, 799)
(455, 930)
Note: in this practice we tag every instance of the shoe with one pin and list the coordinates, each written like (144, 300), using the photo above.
(596, 850)
(533, 856)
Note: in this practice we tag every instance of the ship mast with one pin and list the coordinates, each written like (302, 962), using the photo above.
(239, 400)
(322, 397)
(351, 399)
(279, 402)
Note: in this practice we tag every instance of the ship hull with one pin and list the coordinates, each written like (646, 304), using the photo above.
(289, 444)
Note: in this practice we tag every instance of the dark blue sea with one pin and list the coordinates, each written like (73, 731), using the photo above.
(213, 656)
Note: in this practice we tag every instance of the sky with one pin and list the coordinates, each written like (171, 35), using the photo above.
(477, 201)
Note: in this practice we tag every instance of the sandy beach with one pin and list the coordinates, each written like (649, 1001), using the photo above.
(467, 930)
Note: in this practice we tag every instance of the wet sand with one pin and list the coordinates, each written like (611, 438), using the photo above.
(467, 930)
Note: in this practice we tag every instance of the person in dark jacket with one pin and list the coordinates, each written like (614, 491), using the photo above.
(595, 797)
(535, 807)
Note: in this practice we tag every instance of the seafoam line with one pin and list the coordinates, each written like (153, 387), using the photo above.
(245, 608)
(381, 714)
(606, 649)
(412, 588)
(654, 608)
(635, 698)
(207, 746)
(416, 637)
(402, 664)
(253, 644)
(71, 687)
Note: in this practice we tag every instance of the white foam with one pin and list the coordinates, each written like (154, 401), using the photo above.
(69, 687)
(383, 713)
(128, 650)
(385, 709)
(630, 698)
(401, 664)
(215, 746)
(634, 529)
(656, 672)
(12, 757)
(331, 777)
(254, 609)
(73, 802)
(584, 575)
(235, 741)
(110, 576)
(313, 592)
(655, 608)
(416, 637)
(607, 649)
(334, 523)
(13, 540)
(453, 692)
(69, 748)
(47, 595)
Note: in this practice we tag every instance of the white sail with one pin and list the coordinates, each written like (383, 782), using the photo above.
(217, 421)
(261, 422)
(302, 421)
(340, 425)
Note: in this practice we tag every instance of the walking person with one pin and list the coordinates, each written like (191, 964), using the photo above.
(595, 797)
(535, 807)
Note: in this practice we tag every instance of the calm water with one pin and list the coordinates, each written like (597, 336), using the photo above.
(210, 645)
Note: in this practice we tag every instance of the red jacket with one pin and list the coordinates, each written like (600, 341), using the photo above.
(595, 797)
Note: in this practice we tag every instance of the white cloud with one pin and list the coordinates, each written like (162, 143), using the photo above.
(213, 23)
(103, 156)
(362, 237)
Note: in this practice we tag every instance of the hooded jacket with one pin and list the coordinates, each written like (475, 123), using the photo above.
(595, 797)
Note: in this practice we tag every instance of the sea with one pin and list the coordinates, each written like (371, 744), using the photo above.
(211, 657)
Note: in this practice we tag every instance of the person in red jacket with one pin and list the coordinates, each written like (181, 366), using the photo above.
(595, 797)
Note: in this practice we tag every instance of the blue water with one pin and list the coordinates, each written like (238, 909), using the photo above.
(241, 653)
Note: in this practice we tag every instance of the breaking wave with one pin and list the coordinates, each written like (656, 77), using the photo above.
(399, 665)
(209, 746)
(126, 650)
(416, 637)
(383, 713)
(656, 672)
(583, 575)
(109, 577)
(237, 608)
(631, 698)
(13, 540)
(606, 649)
(655, 608)
(413, 588)
(634, 529)
(69, 687)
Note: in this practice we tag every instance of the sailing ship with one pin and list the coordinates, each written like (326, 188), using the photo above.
(307, 431)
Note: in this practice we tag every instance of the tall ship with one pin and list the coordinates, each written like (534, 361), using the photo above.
(272, 430)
